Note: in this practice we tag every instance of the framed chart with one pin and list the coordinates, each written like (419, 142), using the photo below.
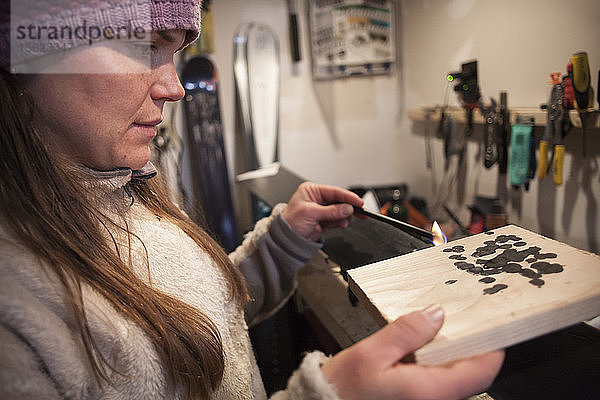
(352, 37)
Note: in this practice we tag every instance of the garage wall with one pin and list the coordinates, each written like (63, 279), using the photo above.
(356, 131)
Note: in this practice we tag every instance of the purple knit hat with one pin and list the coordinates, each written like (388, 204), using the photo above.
(31, 29)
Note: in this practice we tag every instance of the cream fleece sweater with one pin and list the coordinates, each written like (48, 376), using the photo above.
(42, 357)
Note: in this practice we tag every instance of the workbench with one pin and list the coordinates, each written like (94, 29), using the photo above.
(561, 365)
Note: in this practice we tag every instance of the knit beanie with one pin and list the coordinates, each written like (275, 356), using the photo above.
(30, 29)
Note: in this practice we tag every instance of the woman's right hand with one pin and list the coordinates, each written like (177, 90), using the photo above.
(370, 369)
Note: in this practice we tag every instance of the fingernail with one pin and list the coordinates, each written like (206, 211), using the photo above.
(347, 210)
(434, 313)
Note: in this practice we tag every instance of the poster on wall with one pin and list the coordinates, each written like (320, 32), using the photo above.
(352, 37)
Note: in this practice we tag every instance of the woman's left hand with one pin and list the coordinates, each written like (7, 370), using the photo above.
(314, 207)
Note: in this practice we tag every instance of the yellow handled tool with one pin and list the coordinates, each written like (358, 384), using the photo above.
(543, 163)
(584, 97)
(584, 94)
(557, 165)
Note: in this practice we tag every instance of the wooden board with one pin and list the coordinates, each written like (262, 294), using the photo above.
(322, 288)
(539, 285)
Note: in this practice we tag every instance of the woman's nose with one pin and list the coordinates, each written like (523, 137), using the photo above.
(167, 85)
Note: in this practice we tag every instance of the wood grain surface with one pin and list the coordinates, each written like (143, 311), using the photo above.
(539, 286)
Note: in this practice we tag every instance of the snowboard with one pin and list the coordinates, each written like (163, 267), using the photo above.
(204, 139)
(256, 73)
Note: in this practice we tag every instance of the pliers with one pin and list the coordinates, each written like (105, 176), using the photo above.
(553, 133)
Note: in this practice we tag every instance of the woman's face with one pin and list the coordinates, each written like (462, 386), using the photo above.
(107, 120)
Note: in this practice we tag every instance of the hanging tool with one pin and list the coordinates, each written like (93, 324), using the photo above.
(445, 127)
(503, 130)
(567, 85)
(293, 29)
(584, 96)
(468, 90)
(562, 125)
(553, 129)
(568, 100)
(454, 145)
(490, 116)
(428, 153)
(532, 164)
(519, 157)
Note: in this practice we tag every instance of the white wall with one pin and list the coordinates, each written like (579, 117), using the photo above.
(517, 45)
(355, 131)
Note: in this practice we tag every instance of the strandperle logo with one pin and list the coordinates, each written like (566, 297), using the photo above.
(45, 33)
(50, 36)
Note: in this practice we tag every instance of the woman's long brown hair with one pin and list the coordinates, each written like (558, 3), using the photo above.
(46, 211)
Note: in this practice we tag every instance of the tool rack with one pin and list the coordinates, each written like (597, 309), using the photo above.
(458, 114)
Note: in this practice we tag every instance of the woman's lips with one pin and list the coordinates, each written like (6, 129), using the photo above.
(148, 129)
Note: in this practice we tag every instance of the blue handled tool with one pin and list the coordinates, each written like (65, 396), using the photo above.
(519, 157)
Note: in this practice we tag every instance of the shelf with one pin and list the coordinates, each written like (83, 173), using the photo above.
(458, 114)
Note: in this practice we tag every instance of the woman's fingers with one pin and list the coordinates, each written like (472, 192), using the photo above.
(372, 367)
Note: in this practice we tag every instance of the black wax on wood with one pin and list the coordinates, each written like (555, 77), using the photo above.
(508, 252)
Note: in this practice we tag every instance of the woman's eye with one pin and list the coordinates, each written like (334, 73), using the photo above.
(141, 50)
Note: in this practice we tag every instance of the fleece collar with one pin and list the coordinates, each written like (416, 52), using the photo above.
(115, 179)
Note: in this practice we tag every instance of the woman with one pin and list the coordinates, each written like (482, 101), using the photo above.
(107, 289)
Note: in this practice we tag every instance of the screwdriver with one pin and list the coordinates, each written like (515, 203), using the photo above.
(584, 97)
